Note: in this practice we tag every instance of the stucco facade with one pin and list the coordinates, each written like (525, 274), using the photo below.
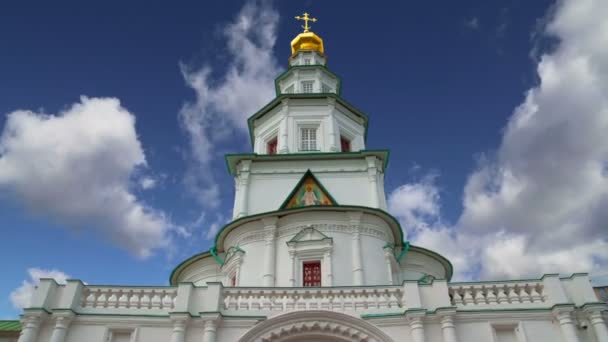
(312, 254)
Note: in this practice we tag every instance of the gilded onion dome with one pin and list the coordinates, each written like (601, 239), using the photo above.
(307, 40)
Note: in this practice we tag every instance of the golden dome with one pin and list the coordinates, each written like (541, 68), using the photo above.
(307, 41)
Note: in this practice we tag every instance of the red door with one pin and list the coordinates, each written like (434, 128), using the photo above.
(311, 273)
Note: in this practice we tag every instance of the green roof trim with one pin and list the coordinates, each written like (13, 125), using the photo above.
(379, 212)
(277, 100)
(6, 326)
(233, 159)
(293, 192)
(311, 66)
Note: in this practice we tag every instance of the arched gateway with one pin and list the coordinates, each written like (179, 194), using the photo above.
(317, 326)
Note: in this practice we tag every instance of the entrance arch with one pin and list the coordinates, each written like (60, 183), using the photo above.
(317, 326)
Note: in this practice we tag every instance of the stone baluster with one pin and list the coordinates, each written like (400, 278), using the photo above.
(566, 323)
(62, 322)
(416, 326)
(31, 324)
(597, 322)
(448, 329)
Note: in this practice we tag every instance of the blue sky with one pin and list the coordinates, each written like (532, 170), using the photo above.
(441, 84)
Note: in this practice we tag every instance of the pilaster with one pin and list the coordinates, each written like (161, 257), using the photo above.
(372, 173)
(563, 314)
(61, 320)
(356, 254)
(448, 328)
(283, 131)
(180, 323)
(594, 314)
(210, 324)
(30, 321)
(416, 324)
(270, 232)
(243, 194)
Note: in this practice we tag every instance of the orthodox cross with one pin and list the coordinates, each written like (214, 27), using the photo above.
(306, 19)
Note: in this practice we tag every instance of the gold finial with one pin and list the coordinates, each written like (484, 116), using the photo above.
(306, 19)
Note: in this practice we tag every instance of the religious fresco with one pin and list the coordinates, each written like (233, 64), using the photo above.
(308, 193)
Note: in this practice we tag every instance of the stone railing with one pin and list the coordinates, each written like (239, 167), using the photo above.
(521, 293)
(345, 299)
(95, 298)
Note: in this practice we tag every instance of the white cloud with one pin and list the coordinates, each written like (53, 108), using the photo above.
(147, 182)
(416, 204)
(22, 295)
(540, 205)
(224, 102)
(75, 168)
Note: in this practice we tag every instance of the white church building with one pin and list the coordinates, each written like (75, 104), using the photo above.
(313, 255)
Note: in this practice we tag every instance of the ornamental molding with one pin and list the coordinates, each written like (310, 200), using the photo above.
(317, 325)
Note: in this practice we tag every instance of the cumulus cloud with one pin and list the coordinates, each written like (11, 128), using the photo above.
(417, 205)
(75, 168)
(540, 204)
(224, 102)
(21, 296)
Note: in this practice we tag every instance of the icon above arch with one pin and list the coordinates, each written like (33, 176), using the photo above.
(308, 192)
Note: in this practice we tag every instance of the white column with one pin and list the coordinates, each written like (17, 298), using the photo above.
(599, 325)
(417, 327)
(270, 232)
(243, 176)
(292, 262)
(283, 132)
(62, 322)
(332, 126)
(31, 325)
(357, 258)
(566, 324)
(372, 175)
(209, 330)
(388, 254)
(448, 329)
(328, 270)
(179, 328)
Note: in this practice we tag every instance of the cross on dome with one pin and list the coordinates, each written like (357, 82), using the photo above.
(305, 17)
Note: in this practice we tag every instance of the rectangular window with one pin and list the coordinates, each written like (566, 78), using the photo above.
(307, 86)
(311, 273)
(308, 139)
(307, 61)
(271, 146)
(345, 144)
(325, 88)
(505, 333)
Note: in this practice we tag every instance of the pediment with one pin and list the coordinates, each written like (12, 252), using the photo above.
(309, 234)
(308, 192)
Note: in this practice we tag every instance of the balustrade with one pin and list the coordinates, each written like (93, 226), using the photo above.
(143, 298)
(499, 293)
(337, 299)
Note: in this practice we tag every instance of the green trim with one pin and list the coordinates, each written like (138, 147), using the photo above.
(396, 227)
(311, 66)
(232, 159)
(277, 100)
(9, 325)
(293, 192)
(215, 256)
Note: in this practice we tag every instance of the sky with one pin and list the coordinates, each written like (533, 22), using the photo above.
(115, 116)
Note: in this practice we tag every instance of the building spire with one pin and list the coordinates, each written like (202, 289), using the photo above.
(305, 17)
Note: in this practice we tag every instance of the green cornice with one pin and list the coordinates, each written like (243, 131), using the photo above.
(277, 100)
(307, 174)
(233, 159)
(312, 66)
(9, 326)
